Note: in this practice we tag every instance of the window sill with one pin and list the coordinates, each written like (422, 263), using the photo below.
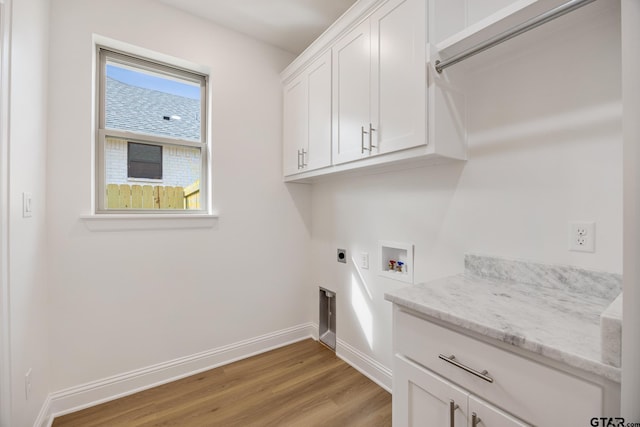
(126, 222)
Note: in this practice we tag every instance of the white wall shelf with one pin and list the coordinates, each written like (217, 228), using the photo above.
(477, 22)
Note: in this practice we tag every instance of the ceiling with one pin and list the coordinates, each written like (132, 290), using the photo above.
(288, 24)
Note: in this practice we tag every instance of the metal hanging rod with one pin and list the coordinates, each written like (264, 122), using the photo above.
(513, 32)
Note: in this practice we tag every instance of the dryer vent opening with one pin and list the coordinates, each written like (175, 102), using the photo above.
(327, 318)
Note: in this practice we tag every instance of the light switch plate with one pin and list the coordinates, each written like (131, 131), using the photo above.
(364, 260)
(27, 205)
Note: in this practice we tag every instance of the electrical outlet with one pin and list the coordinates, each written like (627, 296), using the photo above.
(364, 260)
(582, 236)
(27, 384)
(342, 256)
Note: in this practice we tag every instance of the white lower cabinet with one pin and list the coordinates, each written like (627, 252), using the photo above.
(422, 398)
(435, 364)
(485, 414)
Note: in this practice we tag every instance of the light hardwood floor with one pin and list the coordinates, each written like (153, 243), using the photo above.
(303, 384)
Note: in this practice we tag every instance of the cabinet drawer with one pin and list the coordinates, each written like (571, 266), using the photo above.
(533, 392)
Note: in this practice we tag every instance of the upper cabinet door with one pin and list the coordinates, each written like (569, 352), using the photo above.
(398, 75)
(351, 94)
(307, 119)
(318, 151)
(380, 83)
(295, 126)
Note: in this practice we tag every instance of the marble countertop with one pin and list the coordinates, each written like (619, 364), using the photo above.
(553, 311)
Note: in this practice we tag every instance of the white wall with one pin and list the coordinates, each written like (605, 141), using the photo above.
(127, 300)
(27, 236)
(631, 319)
(544, 149)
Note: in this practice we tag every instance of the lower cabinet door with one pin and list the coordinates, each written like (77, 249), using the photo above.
(421, 398)
(483, 414)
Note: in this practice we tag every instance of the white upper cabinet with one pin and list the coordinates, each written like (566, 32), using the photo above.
(379, 83)
(398, 75)
(387, 105)
(307, 119)
(319, 107)
(351, 94)
(295, 124)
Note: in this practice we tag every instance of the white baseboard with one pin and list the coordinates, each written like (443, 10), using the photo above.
(367, 366)
(44, 417)
(97, 392)
(315, 328)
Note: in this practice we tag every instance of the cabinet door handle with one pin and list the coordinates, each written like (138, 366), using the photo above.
(362, 148)
(452, 359)
(371, 129)
(298, 159)
(304, 154)
(475, 419)
(452, 413)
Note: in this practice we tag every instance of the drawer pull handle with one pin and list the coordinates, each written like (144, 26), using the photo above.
(452, 413)
(452, 359)
(475, 419)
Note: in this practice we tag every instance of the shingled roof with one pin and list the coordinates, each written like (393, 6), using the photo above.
(143, 110)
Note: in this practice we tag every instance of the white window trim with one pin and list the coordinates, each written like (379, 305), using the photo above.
(117, 218)
(161, 221)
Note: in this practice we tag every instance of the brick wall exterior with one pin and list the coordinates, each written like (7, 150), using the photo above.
(180, 165)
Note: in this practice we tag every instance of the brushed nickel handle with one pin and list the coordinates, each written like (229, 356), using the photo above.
(371, 130)
(452, 359)
(304, 153)
(362, 148)
(299, 160)
(475, 419)
(452, 413)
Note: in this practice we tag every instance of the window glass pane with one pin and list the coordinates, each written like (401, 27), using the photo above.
(144, 161)
(178, 188)
(146, 102)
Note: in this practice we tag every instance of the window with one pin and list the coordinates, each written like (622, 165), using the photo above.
(144, 161)
(152, 146)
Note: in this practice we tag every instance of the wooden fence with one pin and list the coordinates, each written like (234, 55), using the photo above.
(192, 196)
(124, 196)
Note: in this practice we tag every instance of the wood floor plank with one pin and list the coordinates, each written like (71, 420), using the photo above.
(303, 384)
